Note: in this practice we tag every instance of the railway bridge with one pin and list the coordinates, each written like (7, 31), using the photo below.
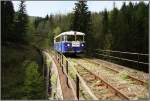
(94, 79)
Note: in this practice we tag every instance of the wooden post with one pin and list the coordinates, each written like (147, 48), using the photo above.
(109, 56)
(62, 60)
(67, 66)
(67, 82)
(138, 60)
(67, 73)
(77, 87)
(120, 59)
(62, 66)
(57, 57)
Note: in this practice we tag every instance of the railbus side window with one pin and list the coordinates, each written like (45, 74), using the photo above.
(58, 39)
(64, 38)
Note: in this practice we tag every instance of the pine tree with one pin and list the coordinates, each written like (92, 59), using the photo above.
(37, 21)
(114, 27)
(81, 17)
(141, 38)
(105, 22)
(34, 83)
(81, 21)
(123, 29)
(22, 24)
(105, 29)
(7, 19)
(46, 17)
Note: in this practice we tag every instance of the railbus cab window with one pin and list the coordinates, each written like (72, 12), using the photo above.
(79, 38)
(70, 38)
(75, 38)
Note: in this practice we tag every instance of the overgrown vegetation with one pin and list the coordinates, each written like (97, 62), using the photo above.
(124, 29)
(21, 75)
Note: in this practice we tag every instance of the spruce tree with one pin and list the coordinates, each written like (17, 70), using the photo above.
(105, 28)
(81, 17)
(114, 27)
(81, 21)
(22, 24)
(105, 22)
(123, 29)
(7, 19)
(46, 17)
(34, 83)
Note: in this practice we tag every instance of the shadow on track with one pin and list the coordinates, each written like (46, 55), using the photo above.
(74, 55)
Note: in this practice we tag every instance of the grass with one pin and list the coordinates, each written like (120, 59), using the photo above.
(48, 63)
(123, 75)
(54, 85)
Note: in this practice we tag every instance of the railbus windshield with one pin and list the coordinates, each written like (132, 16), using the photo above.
(75, 37)
(79, 37)
(69, 36)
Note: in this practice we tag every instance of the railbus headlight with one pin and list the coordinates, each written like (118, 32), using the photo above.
(82, 45)
(68, 45)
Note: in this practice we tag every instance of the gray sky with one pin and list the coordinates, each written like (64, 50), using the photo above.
(41, 8)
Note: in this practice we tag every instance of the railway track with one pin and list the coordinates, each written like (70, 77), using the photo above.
(118, 71)
(104, 82)
(101, 88)
(125, 88)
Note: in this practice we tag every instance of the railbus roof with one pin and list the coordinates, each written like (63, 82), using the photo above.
(69, 33)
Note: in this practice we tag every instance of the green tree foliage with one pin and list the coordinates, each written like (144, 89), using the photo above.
(124, 29)
(16, 55)
(106, 30)
(97, 30)
(37, 21)
(81, 18)
(16, 65)
(42, 28)
(34, 83)
(106, 35)
(124, 26)
(21, 24)
(57, 31)
(105, 27)
(141, 21)
(114, 27)
(81, 21)
(7, 18)
(50, 26)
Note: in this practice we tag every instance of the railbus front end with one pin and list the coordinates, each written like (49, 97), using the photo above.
(70, 42)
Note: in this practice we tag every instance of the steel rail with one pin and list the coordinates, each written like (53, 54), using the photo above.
(117, 71)
(117, 92)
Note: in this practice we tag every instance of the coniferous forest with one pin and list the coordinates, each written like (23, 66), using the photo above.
(23, 36)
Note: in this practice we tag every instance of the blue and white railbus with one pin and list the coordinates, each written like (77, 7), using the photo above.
(70, 42)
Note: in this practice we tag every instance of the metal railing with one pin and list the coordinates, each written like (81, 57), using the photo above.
(107, 53)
